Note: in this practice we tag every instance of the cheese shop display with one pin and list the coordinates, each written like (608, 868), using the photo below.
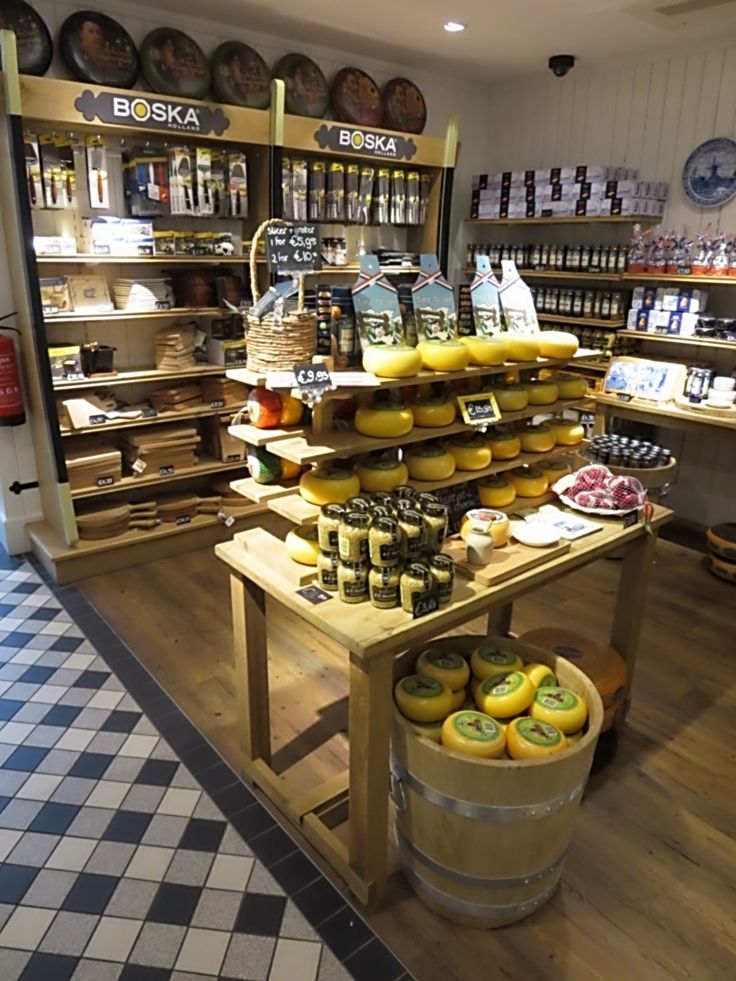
(530, 739)
(536, 438)
(557, 344)
(325, 486)
(496, 491)
(449, 668)
(486, 350)
(429, 461)
(386, 420)
(504, 445)
(487, 661)
(302, 545)
(541, 392)
(510, 398)
(560, 707)
(567, 432)
(444, 355)
(391, 360)
(381, 473)
(528, 481)
(494, 523)
(470, 452)
(433, 413)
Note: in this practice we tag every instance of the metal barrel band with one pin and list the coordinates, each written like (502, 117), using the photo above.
(407, 847)
(483, 812)
(487, 913)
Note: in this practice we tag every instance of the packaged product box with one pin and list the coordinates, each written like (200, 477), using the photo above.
(108, 235)
(434, 302)
(657, 381)
(228, 353)
(376, 302)
(624, 189)
(638, 319)
(54, 245)
(586, 208)
(673, 322)
(484, 295)
(645, 298)
(683, 299)
(55, 296)
(66, 362)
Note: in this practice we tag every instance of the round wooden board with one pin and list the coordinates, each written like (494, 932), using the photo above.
(356, 98)
(174, 64)
(32, 37)
(307, 93)
(404, 107)
(98, 49)
(240, 77)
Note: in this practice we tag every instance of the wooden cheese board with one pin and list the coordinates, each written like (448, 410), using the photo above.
(506, 562)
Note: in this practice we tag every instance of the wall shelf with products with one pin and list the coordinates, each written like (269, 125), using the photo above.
(692, 280)
(138, 377)
(82, 318)
(606, 220)
(580, 321)
(205, 468)
(670, 415)
(146, 260)
(709, 342)
(577, 277)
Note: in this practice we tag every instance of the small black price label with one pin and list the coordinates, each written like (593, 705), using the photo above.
(166, 471)
(98, 420)
(217, 404)
(163, 305)
(479, 410)
(105, 481)
(149, 412)
(314, 594)
(233, 458)
(184, 519)
(424, 604)
(312, 377)
(624, 397)
(631, 519)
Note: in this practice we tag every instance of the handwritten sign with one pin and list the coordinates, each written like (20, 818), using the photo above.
(293, 249)
(425, 603)
(479, 410)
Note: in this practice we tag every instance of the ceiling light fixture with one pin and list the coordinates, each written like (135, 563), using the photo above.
(454, 27)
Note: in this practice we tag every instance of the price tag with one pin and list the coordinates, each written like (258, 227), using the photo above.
(293, 249)
(631, 519)
(217, 404)
(139, 466)
(97, 420)
(105, 481)
(183, 519)
(425, 603)
(479, 410)
(150, 412)
(312, 376)
(314, 594)
(623, 397)
(227, 519)
(233, 458)
(165, 471)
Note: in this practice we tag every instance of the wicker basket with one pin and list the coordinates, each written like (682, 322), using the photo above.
(278, 343)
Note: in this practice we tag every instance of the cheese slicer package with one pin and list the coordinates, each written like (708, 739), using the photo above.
(517, 304)
(376, 303)
(485, 297)
(434, 303)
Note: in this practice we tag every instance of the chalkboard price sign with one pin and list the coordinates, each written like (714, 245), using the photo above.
(293, 249)
(458, 499)
(425, 603)
(479, 410)
(312, 376)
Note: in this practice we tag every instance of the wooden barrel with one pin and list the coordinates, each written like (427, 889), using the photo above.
(482, 842)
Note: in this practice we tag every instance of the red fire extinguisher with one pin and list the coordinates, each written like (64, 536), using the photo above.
(12, 412)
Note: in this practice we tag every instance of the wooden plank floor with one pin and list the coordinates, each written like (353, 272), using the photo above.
(649, 887)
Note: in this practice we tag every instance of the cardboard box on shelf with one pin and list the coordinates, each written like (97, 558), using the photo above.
(108, 235)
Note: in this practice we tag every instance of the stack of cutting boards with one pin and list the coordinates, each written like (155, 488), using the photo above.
(231, 502)
(223, 391)
(177, 398)
(181, 508)
(99, 466)
(161, 448)
(111, 522)
(175, 347)
(220, 443)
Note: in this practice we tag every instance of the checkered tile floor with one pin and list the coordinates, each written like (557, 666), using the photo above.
(129, 850)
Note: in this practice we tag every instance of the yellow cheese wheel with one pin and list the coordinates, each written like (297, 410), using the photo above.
(458, 699)
(505, 695)
(574, 737)
(423, 699)
(553, 470)
(561, 707)
(322, 486)
(523, 347)
(530, 739)
(496, 492)
(539, 674)
(433, 413)
(504, 446)
(381, 474)
(528, 481)
(486, 350)
(541, 392)
(473, 733)
(510, 398)
(470, 452)
(302, 545)
(445, 666)
(487, 662)
(391, 360)
(537, 439)
(557, 344)
(479, 519)
(292, 411)
(430, 730)
(444, 355)
(567, 432)
(570, 386)
(387, 421)
(429, 462)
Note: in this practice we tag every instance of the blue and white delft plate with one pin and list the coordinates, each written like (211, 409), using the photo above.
(709, 176)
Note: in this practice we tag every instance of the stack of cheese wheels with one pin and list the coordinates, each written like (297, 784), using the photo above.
(429, 461)
(324, 486)
(569, 386)
(471, 452)
(387, 420)
(541, 392)
(505, 445)
(539, 438)
(510, 398)
(449, 668)
(444, 355)
(568, 432)
(391, 360)
(496, 492)
(721, 558)
(554, 470)
(381, 474)
(433, 413)
(528, 481)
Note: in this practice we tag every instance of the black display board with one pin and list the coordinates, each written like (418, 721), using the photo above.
(293, 249)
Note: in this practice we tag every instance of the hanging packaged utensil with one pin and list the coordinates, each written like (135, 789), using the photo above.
(398, 197)
(352, 188)
(336, 192)
(365, 194)
(382, 200)
(412, 201)
(424, 188)
(287, 208)
(317, 190)
(33, 170)
(299, 189)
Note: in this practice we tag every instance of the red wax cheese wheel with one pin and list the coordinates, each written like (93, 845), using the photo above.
(423, 699)
(264, 408)
(603, 665)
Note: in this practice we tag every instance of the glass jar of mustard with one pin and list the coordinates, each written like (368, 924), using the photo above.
(415, 581)
(404, 492)
(358, 504)
(442, 570)
(328, 525)
(425, 499)
(383, 498)
(435, 526)
(380, 511)
(352, 582)
(411, 532)
(327, 566)
(384, 543)
(352, 536)
(383, 588)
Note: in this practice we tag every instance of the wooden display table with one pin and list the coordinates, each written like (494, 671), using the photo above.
(373, 638)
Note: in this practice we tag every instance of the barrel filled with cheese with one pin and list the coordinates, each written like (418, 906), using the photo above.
(482, 840)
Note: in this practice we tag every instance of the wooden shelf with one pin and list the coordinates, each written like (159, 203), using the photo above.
(571, 220)
(713, 342)
(199, 412)
(261, 493)
(581, 321)
(262, 437)
(554, 274)
(205, 467)
(145, 260)
(137, 377)
(342, 444)
(80, 318)
(665, 278)
(662, 415)
(353, 269)
(295, 509)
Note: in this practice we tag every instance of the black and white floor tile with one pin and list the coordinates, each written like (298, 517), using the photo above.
(129, 850)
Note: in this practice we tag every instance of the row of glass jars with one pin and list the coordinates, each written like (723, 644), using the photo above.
(387, 587)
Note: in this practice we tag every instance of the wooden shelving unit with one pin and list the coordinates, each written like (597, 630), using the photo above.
(581, 321)
(138, 377)
(80, 318)
(206, 467)
(352, 269)
(143, 260)
(710, 342)
(665, 278)
(564, 275)
(199, 412)
(669, 415)
(577, 220)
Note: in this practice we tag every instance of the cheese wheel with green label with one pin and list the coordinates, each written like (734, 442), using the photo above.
(496, 492)
(557, 344)
(387, 421)
(486, 350)
(523, 347)
(430, 730)
(530, 739)
(568, 432)
(302, 545)
(391, 360)
(528, 481)
(537, 439)
(541, 392)
(444, 355)
(321, 486)
(429, 462)
(445, 666)
(505, 695)
(570, 386)
(381, 474)
(423, 699)
(470, 452)
(510, 398)
(539, 675)
(504, 446)
(487, 661)
(433, 413)
(559, 706)
(473, 733)
(458, 699)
